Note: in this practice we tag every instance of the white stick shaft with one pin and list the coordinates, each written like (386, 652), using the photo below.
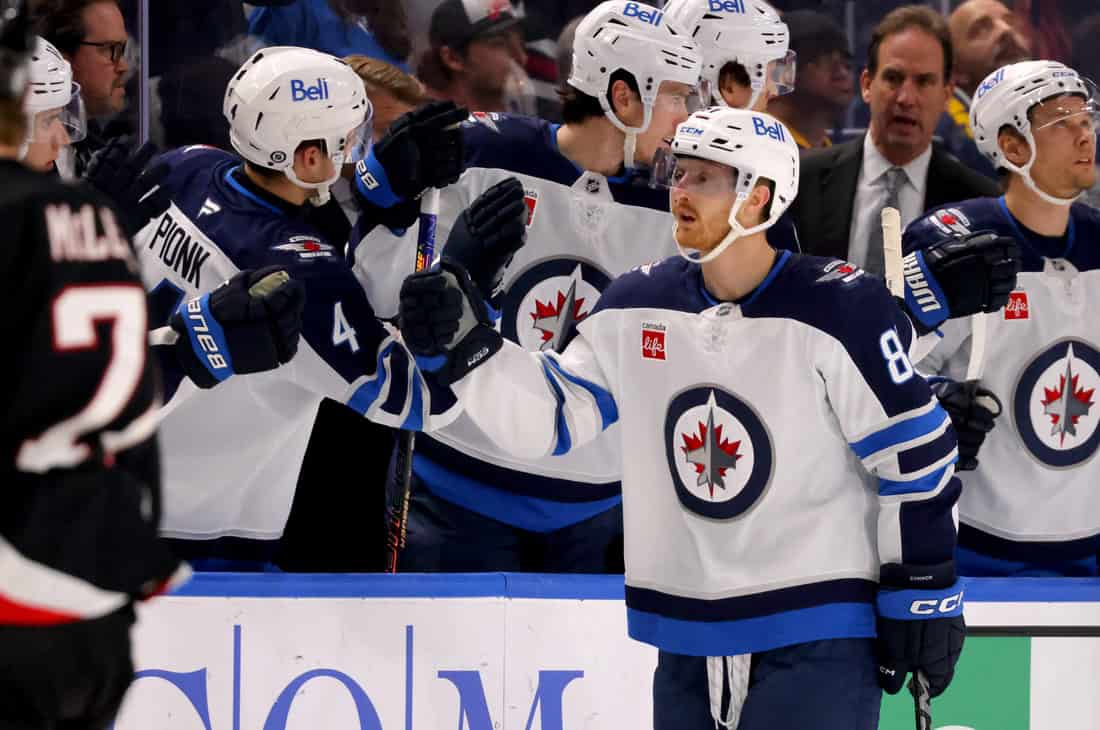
(976, 366)
(891, 251)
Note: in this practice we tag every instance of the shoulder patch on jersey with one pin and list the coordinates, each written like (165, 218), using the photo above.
(488, 119)
(647, 267)
(837, 270)
(307, 247)
(951, 221)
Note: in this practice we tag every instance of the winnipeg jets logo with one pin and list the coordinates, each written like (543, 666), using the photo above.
(543, 306)
(1052, 404)
(719, 452)
(1067, 403)
(840, 271)
(554, 320)
(710, 453)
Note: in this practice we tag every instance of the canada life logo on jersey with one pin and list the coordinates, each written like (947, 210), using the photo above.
(719, 452)
(1017, 306)
(531, 200)
(1053, 405)
(541, 309)
(653, 341)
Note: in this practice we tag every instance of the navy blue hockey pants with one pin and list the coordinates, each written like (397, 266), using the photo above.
(446, 537)
(823, 685)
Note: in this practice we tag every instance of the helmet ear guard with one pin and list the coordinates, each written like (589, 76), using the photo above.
(753, 144)
(283, 96)
(1008, 97)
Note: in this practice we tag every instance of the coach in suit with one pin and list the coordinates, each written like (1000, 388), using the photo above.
(843, 189)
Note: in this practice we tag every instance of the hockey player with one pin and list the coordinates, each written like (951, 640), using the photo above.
(55, 111)
(475, 507)
(79, 469)
(747, 59)
(1031, 506)
(778, 447)
(233, 453)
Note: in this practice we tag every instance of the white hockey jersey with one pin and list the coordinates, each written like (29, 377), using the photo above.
(231, 455)
(1034, 496)
(749, 434)
(583, 230)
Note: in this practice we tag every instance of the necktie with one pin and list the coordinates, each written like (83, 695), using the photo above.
(891, 182)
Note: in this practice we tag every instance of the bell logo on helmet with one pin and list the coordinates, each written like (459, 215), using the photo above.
(990, 83)
(726, 6)
(763, 129)
(652, 16)
(300, 92)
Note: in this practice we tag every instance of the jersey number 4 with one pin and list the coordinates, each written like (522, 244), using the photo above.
(76, 311)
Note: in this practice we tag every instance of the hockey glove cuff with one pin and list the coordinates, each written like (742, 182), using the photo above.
(446, 323)
(249, 324)
(973, 410)
(487, 235)
(920, 624)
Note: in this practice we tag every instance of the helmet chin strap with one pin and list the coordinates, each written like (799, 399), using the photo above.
(630, 141)
(1025, 173)
(736, 231)
(322, 188)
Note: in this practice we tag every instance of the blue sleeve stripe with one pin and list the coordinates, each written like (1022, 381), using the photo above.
(564, 442)
(367, 393)
(928, 453)
(901, 432)
(926, 483)
(415, 419)
(609, 412)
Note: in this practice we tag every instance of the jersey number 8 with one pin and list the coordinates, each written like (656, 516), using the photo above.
(896, 358)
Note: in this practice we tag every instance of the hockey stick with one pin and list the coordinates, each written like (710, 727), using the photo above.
(397, 511)
(922, 700)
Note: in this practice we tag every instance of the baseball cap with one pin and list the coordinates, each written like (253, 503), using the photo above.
(457, 22)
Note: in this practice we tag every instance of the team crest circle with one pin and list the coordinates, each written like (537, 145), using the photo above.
(1054, 405)
(719, 451)
(544, 305)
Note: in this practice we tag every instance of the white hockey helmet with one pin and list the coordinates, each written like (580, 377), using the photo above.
(283, 96)
(1009, 94)
(51, 87)
(754, 144)
(637, 38)
(748, 32)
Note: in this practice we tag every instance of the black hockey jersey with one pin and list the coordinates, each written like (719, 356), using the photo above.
(80, 483)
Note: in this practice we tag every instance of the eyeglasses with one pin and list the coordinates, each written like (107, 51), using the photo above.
(115, 49)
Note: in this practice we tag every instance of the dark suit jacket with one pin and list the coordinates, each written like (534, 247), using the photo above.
(822, 212)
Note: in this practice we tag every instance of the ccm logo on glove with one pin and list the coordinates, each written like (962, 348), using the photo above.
(929, 607)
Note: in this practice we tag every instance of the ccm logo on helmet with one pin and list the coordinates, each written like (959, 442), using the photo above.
(763, 129)
(932, 606)
(692, 131)
(727, 6)
(300, 92)
(990, 83)
(651, 16)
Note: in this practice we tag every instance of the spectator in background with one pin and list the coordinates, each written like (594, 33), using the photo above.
(985, 35)
(191, 103)
(1086, 59)
(374, 28)
(91, 35)
(476, 46)
(842, 190)
(825, 83)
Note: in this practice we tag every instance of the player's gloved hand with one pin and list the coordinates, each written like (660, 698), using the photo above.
(960, 276)
(422, 149)
(972, 409)
(487, 235)
(446, 323)
(120, 173)
(920, 624)
(249, 324)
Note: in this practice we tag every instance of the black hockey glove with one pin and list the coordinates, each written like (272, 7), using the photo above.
(423, 149)
(249, 324)
(972, 409)
(487, 235)
(960, 276)
(120, 174)
(920, 624)
(446, 323)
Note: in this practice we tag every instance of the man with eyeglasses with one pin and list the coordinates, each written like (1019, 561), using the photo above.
(91, 35)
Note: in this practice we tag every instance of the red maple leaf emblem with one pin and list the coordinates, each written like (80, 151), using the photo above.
(692, 442)
(1053, 394)
(550, 309)
(845, 269)
(948, 219)
(311, 246)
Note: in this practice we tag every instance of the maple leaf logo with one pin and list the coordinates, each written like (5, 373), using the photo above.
(555, 320)
(711, 471)
(1065, 409)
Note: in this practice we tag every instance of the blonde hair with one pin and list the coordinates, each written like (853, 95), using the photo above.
(380, 75)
